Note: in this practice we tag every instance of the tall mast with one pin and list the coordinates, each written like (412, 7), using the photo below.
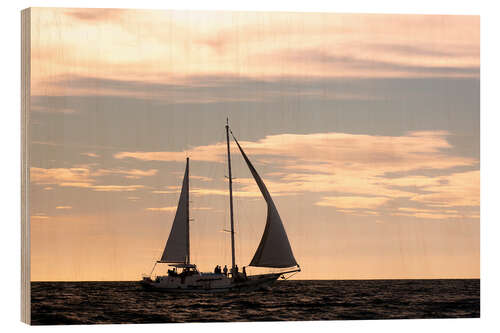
(230, 195)
(187, 218)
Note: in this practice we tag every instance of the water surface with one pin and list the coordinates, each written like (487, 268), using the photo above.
(126, 302)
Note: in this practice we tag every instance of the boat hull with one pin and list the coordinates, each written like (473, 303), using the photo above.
(209, 283)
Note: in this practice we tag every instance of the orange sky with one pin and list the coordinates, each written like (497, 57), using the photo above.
(365, 129)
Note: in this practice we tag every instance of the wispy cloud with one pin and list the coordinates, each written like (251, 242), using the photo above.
(327, 153)
(253, 45)
(162, 209)
(85, 177)
(202, 178)
(174, 208)
(224, 192)
(246, 192)
(210, 88)
(349, 202)
(39, 217)
(42, 108)
(435, 214)
(131, 174)
(203, 208)
(368, 66)
(64, 207)
(461, 50)
(116, 188)
(59, 175)
(458, 189)
(359, 169)
(90, 154)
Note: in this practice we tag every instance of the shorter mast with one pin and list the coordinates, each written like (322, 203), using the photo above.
(233, 264)
(188, 254)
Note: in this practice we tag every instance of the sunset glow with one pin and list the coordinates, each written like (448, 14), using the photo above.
(365, 129)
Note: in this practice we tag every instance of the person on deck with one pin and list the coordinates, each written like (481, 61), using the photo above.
(225, 270)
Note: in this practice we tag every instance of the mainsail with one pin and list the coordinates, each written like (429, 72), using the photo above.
(177, 247)
(274, 249)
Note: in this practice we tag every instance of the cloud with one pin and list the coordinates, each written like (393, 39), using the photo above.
(64, 207)
(225, 192)
(350, 202)
(174, 208)
(59, 175)
(262, 45)
(245, 192)
(116, 188)
(231, 88)
(39, 216)
(131, 174)
(84, 177)
(420, 210)
(327, 154)
(425, 51)
(163, 209)
(212, 153)
(82, 174)
(435, 214)
(89, 154)
(210, 88)
(322, 151)
(350, 171)
(202, 178)
(202, 208)
(40, 108)
(457, 189)
(370, 66)
(103, 188)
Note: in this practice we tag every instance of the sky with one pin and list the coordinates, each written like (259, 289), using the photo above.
(365, 129)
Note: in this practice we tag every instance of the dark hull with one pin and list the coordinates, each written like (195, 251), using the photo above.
(255, 282)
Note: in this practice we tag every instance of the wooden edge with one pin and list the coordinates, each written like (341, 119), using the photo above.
(25, 174)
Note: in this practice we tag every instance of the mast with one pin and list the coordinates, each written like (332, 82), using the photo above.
(187, 216)
(230, 196)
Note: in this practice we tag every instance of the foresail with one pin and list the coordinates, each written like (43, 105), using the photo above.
(177, 247)
(274, 249)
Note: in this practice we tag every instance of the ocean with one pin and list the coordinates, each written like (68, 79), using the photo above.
(63, 303)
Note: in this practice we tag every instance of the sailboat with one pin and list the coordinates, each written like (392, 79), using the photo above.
(274, 250)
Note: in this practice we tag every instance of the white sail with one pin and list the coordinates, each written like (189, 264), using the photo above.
(274, 249)
(177, 247)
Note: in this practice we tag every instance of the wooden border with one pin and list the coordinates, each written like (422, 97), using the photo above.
(25, 158)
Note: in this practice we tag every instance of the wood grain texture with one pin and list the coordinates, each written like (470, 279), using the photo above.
(25, 174)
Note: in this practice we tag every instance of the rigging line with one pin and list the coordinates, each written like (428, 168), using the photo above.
(238, 207)
(219, 174)
(150, 274)
(217, 168)
(233, 259)
(237, 220)
(241, 166)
